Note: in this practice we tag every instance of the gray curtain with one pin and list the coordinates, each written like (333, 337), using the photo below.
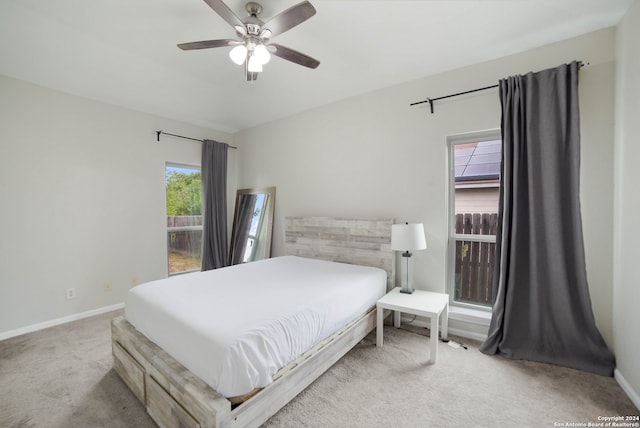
(542, 309)
(214, 205)
(244, 215)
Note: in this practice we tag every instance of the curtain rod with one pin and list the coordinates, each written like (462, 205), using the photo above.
(431, 100)
(158, 133)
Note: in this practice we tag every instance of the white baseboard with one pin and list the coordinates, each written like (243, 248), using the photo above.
(452, 330)
(41, 326)
(627, 388)
(468, 334)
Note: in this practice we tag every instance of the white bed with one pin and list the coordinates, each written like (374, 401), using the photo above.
(267, 314)
(171, 368)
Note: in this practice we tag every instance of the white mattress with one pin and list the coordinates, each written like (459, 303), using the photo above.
(236, 327)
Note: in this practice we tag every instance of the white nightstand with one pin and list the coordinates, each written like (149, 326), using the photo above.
(422, 303)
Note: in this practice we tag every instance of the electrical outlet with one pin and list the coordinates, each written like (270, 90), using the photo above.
(134, 281)
(71, 293)
(107, 287)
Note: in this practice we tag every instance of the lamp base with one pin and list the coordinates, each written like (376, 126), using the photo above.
(405, 289)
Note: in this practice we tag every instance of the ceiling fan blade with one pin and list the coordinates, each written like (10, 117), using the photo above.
(206, 44)
(294, 56)
(290, 18)
(225, 13)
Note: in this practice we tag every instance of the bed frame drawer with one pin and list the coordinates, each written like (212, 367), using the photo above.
(164, 410)
(129, 370)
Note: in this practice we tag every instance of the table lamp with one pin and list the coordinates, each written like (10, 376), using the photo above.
(407, 237)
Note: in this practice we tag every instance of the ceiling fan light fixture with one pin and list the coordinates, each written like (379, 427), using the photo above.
(238, 54)
(261, 53)
(254, 65)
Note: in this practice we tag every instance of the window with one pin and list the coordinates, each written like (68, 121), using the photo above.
(184, 218)
(474, 177)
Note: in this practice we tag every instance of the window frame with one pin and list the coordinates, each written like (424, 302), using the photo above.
(452, 236)
(168, 229)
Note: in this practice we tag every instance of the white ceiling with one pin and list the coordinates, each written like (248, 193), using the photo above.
(124, 52)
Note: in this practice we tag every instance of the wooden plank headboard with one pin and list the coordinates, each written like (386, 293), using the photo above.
(365, 242)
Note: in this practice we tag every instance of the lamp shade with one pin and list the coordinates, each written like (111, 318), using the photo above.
(408, 237)
(238, 54)
(262, 54)
(254, 65)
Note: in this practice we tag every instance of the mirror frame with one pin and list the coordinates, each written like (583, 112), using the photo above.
(270, 208)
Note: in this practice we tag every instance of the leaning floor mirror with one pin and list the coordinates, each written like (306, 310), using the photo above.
(252, 225)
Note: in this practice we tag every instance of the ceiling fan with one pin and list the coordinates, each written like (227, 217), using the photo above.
(254, 49)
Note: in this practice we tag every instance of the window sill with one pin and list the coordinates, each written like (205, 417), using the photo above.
(473, 316)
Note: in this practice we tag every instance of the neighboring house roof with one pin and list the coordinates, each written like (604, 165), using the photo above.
(477, 163)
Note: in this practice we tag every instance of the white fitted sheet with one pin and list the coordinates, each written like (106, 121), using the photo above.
(236, 327)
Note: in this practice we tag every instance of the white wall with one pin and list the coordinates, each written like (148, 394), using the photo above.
(375, 156)
(626, 302)
(82, 200)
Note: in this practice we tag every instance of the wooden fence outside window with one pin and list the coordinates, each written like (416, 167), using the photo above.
(184, 243)
(475, 260)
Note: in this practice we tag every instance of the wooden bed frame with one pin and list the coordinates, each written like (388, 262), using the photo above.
(175, 397)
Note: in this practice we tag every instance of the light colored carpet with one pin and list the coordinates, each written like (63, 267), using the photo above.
(62, 377)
